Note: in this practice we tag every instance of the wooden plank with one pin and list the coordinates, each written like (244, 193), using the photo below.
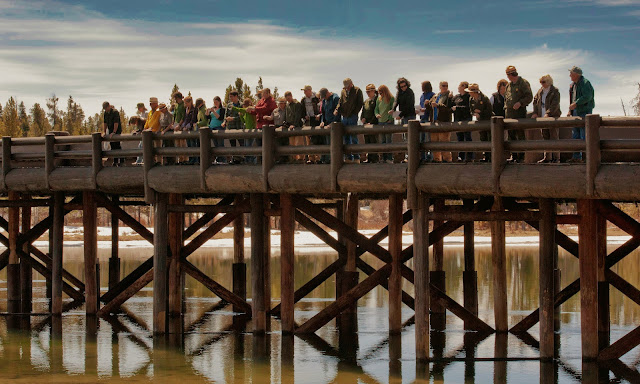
(547, 280)
(499, 264)
(124, 295)
(205, 154)
(587, 232)
(623, 286)
(469, 276)
(26, 272)
(259, 311)
(238, 234)
(90, 231)
(161, 247)
(421, 284)
(176, 229)
(57, 249)
(469, 318)
(621, 346)
(333, 309)
(395, 249)
(268, 153)
(207, 217)
(215, 287)
(498, 158)
(413, 161)
(320, 233)
(125, 217)
(13, 269)
(336, 153)
(114, 260)
(128, 280)
(369, 270)
(592, 142)
(287, 263)
(46, 272)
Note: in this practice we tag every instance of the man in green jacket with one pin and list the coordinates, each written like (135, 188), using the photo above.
(516, 99)
(294, 119)
(349, 106)
(482, 109)
(581, 104)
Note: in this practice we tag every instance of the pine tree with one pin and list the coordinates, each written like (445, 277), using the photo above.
(259, 87)
(246, 92)
(174, 90)
(24, 120)
(275, 94)
(226, 94)
(54, 112)
(0, 111)
(39, 123)
(124, 121)
(635, 103)
(11, 119)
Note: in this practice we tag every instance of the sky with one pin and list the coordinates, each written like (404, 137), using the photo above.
(127, 51)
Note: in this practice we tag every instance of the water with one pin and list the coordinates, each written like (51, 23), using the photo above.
(72, 350)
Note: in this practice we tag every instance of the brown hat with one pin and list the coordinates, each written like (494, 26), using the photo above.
(511, 69)
(141, 105)
(306, 87)
(162, 106)
(473, 88)
(370, 87)
(153, 99)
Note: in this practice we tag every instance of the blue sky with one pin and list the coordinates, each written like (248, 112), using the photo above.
(126, 51)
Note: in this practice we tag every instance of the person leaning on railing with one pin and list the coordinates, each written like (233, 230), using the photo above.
(406, 103)
(329, 104)
(546, 103)
(368, 116)
(249, 123)
(277, 118)
(233, 121)
(216, 114)
(203, 121)
(425, 137)
(461, 112)
(582, 103)
(482, 109)
(178, 109)
(110, 127)
(516, 98)
(497, 98)
(166, 128)
(384, 104)
(294, 120)
(440, 111)
(349, 106)
(312, 116)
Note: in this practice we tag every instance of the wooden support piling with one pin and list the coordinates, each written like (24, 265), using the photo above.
(90, 228)
(421, 280)
(26, 272)
(588, 234)
(176, 229)
(438, 277)
(57, 232)
(547, 278)
(348, 276)
(13, 268)
(287, 263)
(259, 311)
(499, 262)
(114, 260)
(161, 247)
(239, 266)
(604, 325)
(469, 276)
(395, 249)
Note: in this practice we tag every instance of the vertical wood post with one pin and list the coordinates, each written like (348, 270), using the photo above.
(176, 229)
(470, 276)
(161, 247)
(268, 153)
(89, 222)
(26, 273)
(149, 162)
(49, 155)
(6, 159)
(592, 142)
(96, 156)
(498, 156)
(239, 266)
(287, 251)
(205, 155)
(499, 262)
(13, 268)
(588, 252)
(341, 209)
(257, 218)
(438, 277)
(348, 320)
(56, 256)
(604, 325)
(421, 280)
(395, 249)
(413, 161)
(266, 259)
(114, 260)
(337, 153)
(547, 279)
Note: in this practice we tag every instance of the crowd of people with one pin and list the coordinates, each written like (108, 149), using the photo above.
(511, 99)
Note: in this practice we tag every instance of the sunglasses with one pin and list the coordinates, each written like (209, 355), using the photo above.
(543, 82)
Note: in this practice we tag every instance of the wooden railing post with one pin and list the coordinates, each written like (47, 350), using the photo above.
(49, 155)
(147, 157)
(592, 142)
(337, 153)
(498, 158)
(268, 153)
(96, 156)
(205, 154)
(6, 159)
(413, 150)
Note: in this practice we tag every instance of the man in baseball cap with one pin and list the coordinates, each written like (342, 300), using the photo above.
(516, 99)
(581, 99)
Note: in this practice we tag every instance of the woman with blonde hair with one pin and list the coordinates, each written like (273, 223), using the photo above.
(546, 103)
(384, 104)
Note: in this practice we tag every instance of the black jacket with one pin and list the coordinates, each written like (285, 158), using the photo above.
(462, 112)
(406, 102)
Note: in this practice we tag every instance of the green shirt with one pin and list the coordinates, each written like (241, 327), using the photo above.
(203, 121)
(383, 109)
(248, 119)
(179, 112)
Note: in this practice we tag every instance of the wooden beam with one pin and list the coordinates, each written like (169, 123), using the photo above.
(259, 311)
(56, 257)
(621, 346)
(320, 233)
(26, 272)
(469, 275)
(114, 260)
(588, 234)
(46, 272)
(287, 263)
(369, 270)
(239, 267)
(395, 249)
(547, 287)
(13, 268)
(499, 263)
(126, 294)
(90, 230)
(128, 280)
(215, 287)
(207, 217)
(623, 286)
(421, 266)
(125, 217)
(176, 229)
(469, 318)
(161, 247)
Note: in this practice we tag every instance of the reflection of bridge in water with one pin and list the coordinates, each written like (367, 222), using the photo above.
(325, 197)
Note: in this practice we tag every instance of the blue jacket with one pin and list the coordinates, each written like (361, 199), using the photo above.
(427, 112)
(328, 107)
(584, 97)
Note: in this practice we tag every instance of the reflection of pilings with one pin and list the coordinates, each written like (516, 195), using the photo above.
(395, 356)
(286, 359)
(261, 366)
(500, 351)
(91, 346)
(238, 348)
(55, 345)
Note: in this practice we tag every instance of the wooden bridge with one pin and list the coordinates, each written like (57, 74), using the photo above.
(67, 173)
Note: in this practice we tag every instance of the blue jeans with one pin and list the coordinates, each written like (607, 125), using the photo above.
(464, 136)
(249, 159)
(351, 139)
(386, 138)
(578, 133)
(425, 137)
(217, 143)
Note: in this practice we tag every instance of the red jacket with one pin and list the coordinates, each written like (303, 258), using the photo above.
(264, 108)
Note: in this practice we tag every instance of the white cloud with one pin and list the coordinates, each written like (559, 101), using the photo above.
(95, 58)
